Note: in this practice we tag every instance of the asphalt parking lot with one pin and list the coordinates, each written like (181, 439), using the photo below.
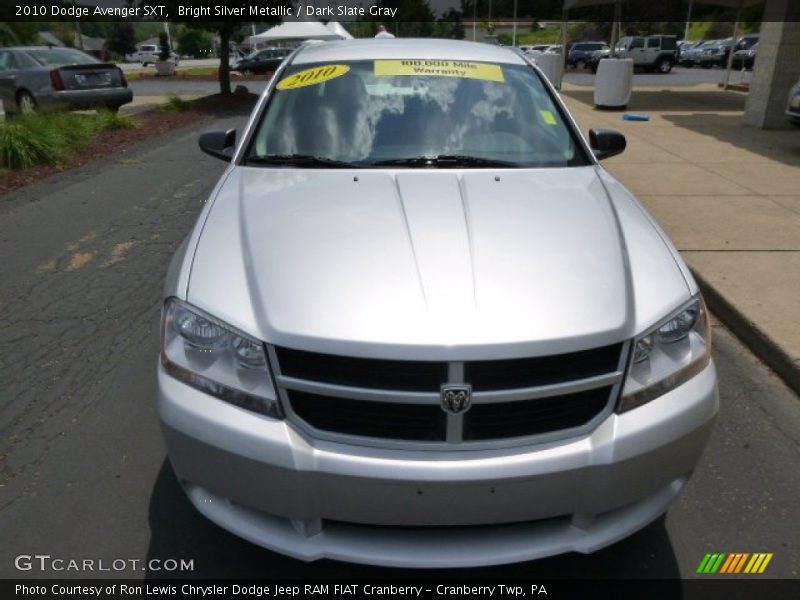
(83, 471)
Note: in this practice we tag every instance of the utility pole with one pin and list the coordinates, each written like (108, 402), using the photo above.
(169, 39)
(474, 19)
(514, 26)
(78, 34)
(688, 22)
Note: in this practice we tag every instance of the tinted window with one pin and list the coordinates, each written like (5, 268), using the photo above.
(7, 61)
(54, 57)
(654, 43)
(637, 43)
(392, 109)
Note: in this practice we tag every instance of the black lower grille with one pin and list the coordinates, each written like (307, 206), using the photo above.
(531, 417)
(389, 420)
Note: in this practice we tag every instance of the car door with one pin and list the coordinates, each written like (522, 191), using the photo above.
(261, 61)
(637, 50)
(652, 50)
(8, 76)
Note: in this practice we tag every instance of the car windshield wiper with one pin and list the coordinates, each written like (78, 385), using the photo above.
(304, 160)
(444, 160)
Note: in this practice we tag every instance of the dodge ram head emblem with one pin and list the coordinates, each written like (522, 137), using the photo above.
(456, 398)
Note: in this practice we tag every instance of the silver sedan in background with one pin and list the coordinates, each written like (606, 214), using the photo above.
(34, 78)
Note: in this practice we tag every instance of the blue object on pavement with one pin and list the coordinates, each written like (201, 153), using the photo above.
(634, 117)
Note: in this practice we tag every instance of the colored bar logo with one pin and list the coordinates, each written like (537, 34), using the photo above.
(736, 562)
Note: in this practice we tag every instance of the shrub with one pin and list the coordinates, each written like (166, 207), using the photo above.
(176, 104)
(49, 138)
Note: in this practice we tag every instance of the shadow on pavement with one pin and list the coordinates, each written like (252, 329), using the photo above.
(718, 115)
(178, 531)
(782, 145)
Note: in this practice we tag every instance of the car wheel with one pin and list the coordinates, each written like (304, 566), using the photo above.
(706, 65)
(26, 103)
(594, 67)
(664, 66)
(144, 64)
(113, 108)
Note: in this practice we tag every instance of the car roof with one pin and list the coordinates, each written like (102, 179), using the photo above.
(367, 49)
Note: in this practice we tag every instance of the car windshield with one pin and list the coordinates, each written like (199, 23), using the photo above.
(407, 113)
(54, 57)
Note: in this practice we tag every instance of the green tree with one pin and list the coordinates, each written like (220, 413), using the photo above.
(194, 42)
(450, 26)
(122, 39)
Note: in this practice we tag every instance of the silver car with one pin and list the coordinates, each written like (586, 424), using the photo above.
(417, 323)
(59, 78)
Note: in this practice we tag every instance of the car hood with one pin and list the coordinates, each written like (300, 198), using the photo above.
(418, 263)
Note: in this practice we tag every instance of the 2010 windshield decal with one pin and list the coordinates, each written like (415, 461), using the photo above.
(312, 76)
(439, 68)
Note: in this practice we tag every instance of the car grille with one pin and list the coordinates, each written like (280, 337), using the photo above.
(380, 402)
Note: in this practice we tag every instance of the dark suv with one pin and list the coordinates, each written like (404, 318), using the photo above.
(580, 53)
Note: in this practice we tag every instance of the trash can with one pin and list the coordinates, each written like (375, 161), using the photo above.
(552, 65)
(613, 83)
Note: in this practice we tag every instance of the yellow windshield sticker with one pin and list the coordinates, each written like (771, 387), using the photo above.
(548, 117)
(439, 68)
(312, 76)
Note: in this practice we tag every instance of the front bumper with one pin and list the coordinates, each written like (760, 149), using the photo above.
(264, 481)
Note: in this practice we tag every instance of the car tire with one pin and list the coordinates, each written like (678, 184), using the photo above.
(112, 108)
(663, 66)
(26, 103)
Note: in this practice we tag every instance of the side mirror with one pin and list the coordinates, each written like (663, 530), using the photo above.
(219, 144)
(606, 143)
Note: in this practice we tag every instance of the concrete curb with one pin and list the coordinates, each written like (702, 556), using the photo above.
(775, 357)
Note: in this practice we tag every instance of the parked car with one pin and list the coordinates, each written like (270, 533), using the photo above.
(683, 46)
(714, 55)
(688, 54)
(596, 57)
(58, 78)
(793, 105)
(410, 321)
(654, 52)
(553, 49)
(580, 53)
(537, 48)
(265, 60)
(745, 59)
(746, 42)
(148, 54)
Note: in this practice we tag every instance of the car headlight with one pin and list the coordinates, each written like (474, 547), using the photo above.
(668, 355)
(211, 356)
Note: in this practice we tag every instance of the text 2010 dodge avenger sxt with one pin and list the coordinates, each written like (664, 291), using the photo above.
(417, 324)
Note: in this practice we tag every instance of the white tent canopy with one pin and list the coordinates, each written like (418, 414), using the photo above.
(295, 31)
(337, 28)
